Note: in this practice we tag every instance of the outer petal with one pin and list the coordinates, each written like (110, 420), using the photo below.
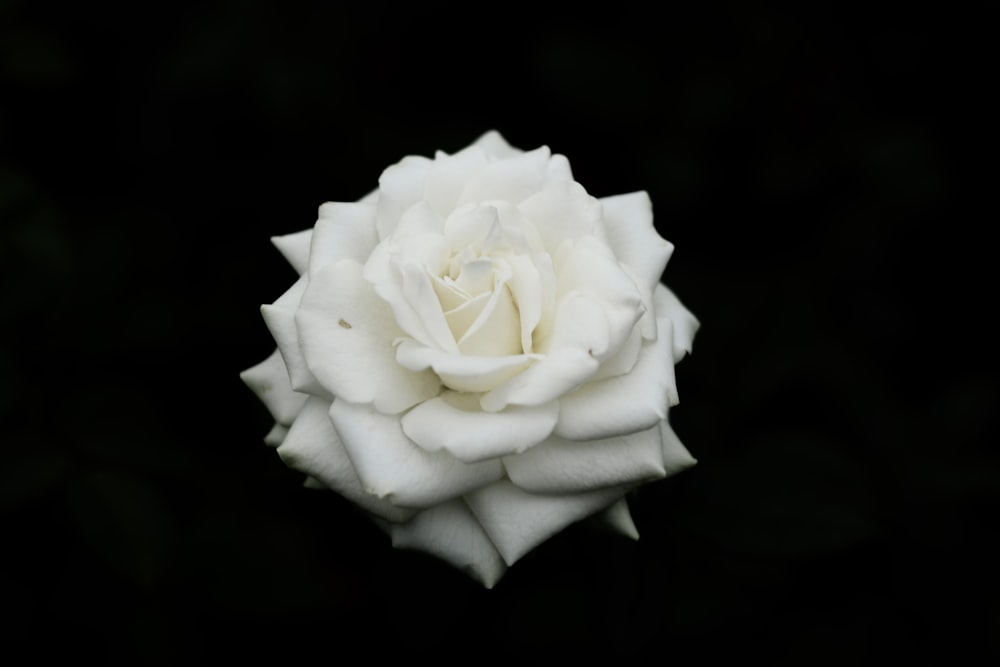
(684, 322)
(626, 403)
(565, 466)
(558, 168)
(391, 466)
(589, 268)
(400, 187)
(450, 531)
(276, 435)
(628, 220)
(511, 179)
(269, 380)
(295, 248)
(675, 456)
(280, 320)
(518, 521)
(455, 423)
(495, 146)
(343, 231)
(313, 447)
(619, 519)
(347, 333)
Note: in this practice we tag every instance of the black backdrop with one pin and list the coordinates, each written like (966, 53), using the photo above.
(812, 167)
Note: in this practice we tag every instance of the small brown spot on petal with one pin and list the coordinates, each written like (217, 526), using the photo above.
(344, 323)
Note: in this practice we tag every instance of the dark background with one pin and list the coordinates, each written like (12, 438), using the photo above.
(815, 168)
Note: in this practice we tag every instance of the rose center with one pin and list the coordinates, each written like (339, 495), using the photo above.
(473, 285)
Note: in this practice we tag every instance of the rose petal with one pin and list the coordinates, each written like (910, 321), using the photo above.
(558, 168)
(529, 291)
(624, 360)
(313, 447)
(393, 467)
(446, 177)
(589, 267)
(314, 484)
(276, 435)
(280, 320)
(269, 380)
(497, 329)
(517, 521)
(581, 333)
(451, 532)
(619, 519)
(450, 296)
(343, 231)
(382, 271)
(563, 210)
(417, 221)
(628, 220)
(643, 253)
(626, 403)
(685, 324)
(468, 227)
(495, 146)
(347, 335)
(675, 456)
(511, 179)
(405, 286)
(295, 248)
(460, 372)
(547, 380)
(566, 466)
(519, 232)
(400, 187)
(420, 298)
(461, 317)
(454, 422)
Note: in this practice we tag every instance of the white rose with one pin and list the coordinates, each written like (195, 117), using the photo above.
(478, 354)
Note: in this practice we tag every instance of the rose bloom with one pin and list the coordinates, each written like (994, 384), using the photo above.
(478, 354)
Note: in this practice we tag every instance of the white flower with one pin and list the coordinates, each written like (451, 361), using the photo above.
(478, 354)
